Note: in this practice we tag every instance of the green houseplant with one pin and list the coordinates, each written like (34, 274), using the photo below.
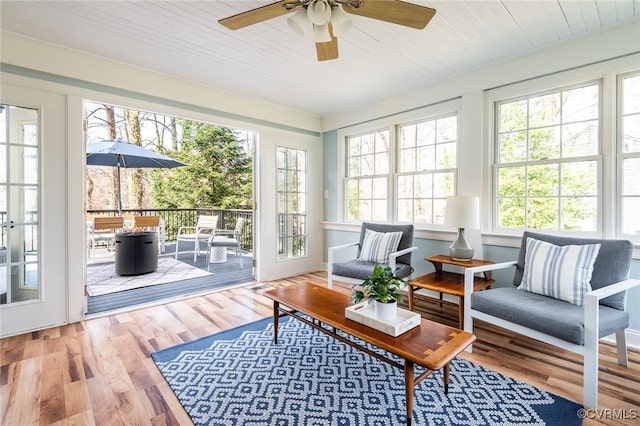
(381, 286)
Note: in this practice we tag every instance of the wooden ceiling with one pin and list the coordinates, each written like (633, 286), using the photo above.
(270, 62)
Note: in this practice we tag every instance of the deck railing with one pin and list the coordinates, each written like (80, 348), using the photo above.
(175, 218)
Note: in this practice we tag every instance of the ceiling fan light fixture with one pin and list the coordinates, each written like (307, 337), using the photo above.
(298, 21)
(340, 21)
(319, 11)
(321, 33)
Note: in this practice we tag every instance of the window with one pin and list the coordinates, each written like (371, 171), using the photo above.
(547, 160)
(292, 202)
(427, 161)
(630, 156)
(19, 203)
(367, 183)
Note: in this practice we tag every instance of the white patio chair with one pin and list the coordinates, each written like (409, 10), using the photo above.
(204, 229)
(227, 239)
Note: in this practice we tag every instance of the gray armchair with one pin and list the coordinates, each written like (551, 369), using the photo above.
(558, 322)
(355, 270)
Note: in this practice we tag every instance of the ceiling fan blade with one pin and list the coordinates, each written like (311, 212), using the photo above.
(256, 15)
(395, 11)
(328, 50)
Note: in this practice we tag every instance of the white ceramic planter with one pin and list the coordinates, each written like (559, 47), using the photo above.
(386, 311)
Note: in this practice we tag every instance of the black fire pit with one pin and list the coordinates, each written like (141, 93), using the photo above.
(136, 253)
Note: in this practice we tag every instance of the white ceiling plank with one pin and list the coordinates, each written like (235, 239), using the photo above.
(268, 61)
(571, 11)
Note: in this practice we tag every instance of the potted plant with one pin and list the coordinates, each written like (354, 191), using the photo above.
(383, 288)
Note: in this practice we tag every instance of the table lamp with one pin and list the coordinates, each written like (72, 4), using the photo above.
(462, 212)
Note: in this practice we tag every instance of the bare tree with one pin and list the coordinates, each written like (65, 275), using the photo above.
(111, 124)
(132, 119)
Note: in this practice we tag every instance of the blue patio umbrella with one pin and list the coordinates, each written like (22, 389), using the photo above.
(120, 153)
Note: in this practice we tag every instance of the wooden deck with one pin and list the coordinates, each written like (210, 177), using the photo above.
(224, 275)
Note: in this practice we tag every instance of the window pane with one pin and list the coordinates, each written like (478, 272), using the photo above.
(379, 188)
(446, 155)
(544, 110)
(511, 181)
(405, 186)
(511, 212)
(407, 160)
(542, 213)
(631, 101)
(443, 185)
(544, 143)
(405, 211)
(439, 208)
(513, 116)
(631, 133)
(580, 104)
(447, 129)
(423, 186)
(579, 214)
(354, 146)
(580, 178)
(291, 202)
(580, 139)
(426, 133)
(407, 136)
(513, 147)
(630, 216)
(382, 163)
(426, 158)
(543, 180)
(631, 177)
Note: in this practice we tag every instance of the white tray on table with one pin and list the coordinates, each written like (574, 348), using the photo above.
(365, 313)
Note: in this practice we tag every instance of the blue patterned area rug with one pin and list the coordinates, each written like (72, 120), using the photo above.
(239, 377)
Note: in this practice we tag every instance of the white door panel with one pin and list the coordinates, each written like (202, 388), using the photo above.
(34, 209)
(271, 264)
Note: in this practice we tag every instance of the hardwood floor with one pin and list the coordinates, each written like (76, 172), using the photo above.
(99, 371)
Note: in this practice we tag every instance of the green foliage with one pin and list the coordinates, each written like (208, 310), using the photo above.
(382, 286)
(218, 172)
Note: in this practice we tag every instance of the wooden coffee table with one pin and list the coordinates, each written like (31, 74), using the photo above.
(430, 345)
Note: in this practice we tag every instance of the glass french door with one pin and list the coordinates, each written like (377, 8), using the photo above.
(32, 235)
(289, 200)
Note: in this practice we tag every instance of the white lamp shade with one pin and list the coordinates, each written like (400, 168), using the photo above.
(463, 212)
(319, 12)
(340, 21)
(298, 21)
(321, 33)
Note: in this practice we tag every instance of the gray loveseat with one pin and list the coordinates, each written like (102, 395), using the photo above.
(558, 322)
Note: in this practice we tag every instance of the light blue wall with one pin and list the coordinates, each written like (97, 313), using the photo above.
(330, 161)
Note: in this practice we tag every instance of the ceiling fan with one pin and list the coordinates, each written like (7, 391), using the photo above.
(329, 19)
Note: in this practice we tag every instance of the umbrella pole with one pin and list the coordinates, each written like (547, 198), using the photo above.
(119, 192)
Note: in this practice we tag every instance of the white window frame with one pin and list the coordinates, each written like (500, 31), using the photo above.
(388, 175)
(597, 158)
(440, 109)
(621, 155)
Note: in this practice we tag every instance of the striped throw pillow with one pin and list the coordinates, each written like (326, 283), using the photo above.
(562, 272)
(376, 246)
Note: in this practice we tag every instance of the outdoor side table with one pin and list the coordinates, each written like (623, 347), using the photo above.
(136, 253)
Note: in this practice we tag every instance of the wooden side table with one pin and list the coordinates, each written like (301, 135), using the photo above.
(451, 283)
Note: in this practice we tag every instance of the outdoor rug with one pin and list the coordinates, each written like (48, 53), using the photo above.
(239, 377)
(102, 278)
